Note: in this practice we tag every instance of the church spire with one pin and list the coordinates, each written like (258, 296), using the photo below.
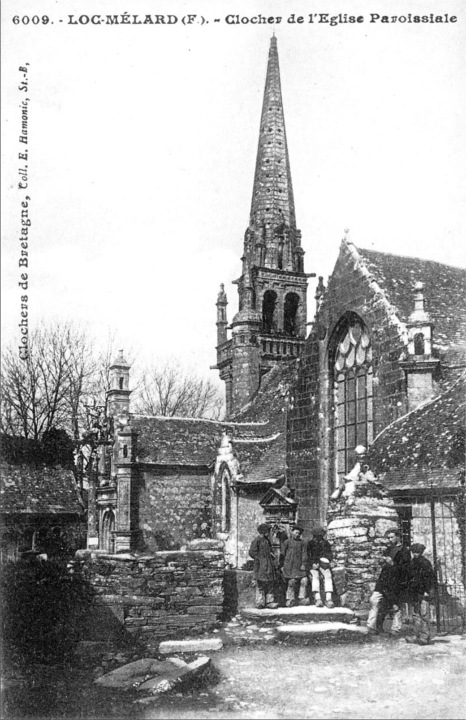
(269, 328)
(272, 198)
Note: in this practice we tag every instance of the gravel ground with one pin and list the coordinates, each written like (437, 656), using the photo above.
(383, 678)
(377, 678)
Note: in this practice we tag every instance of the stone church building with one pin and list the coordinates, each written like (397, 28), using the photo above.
(382, 367)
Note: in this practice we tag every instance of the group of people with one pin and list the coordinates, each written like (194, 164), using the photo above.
(301, 564)
(406, 577)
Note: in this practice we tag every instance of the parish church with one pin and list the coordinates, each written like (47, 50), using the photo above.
(380, 366)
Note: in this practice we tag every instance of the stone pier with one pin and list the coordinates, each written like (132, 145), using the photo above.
(356, 530)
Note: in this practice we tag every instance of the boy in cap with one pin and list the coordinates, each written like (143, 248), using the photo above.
(422, 581)
(264, 568)
(385, 598)
(320, 557)
(294, 564)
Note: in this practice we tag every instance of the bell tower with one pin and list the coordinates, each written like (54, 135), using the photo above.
(270, 325)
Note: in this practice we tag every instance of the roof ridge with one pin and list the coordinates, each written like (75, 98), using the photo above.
(270, 438)
(226, 423)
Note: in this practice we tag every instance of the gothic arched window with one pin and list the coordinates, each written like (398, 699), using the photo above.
(290, 324)
(352, 376)
(269, 304)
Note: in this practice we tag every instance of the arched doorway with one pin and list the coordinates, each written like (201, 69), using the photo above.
(108, 529)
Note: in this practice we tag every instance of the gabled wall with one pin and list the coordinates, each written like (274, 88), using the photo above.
(310, 420)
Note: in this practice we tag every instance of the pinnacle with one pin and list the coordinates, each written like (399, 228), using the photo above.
(272, 200)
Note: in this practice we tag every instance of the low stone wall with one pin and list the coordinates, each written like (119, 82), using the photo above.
(165, 595)
(356, 530)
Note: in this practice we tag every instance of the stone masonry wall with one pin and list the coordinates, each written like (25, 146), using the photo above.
(310, 419)
(356, 531)
(173, 508)
(168, 594)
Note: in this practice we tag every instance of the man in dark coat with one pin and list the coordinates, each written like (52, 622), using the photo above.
(294, 564)
(320, 556)
(264, 571)
(385, 598)
(422, 582)
(401, 559)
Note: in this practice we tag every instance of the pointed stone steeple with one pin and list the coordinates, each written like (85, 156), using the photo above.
(270, 325)
(272, 197)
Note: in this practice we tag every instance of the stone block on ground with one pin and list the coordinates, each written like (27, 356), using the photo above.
(130, 675)
(167, 680)
(152, 676)
(190, 646)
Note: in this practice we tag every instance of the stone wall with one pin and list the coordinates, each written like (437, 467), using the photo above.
(173, 507)
(356, 531)
(168, 594)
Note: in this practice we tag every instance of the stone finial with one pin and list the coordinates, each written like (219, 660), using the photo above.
(120, 360)
(222, 296)
(320, 289)
(419, 316)
(225, 441)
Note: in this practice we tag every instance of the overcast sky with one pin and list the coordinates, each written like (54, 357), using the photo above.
(142, 147)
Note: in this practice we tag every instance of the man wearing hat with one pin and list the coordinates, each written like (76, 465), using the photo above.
(294, 564)
(422, 581)
(385, 598)
(320, 557)
(264, 572)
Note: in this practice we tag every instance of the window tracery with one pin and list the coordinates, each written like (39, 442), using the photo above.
(353, 387)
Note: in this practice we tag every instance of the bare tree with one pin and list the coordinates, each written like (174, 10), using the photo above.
(45, 391)
(166, 389)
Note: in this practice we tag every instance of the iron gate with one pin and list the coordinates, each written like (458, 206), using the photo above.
(439, 523)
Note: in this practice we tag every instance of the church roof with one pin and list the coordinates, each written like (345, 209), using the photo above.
(272, 197)
(269, 403)
(444, 291)
(35, 488)
(257, 433)
(194, 441)
(426, 447)
(271, 464)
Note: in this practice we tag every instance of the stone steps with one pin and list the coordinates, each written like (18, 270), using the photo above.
(300, 614)
(300, 623)
(330, 629)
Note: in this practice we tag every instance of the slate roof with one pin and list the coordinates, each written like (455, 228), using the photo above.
(268, 404)
(257, 434)
(426, 447)
(270, 466)
(36, 488)
(444, 291)
(193, 441)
